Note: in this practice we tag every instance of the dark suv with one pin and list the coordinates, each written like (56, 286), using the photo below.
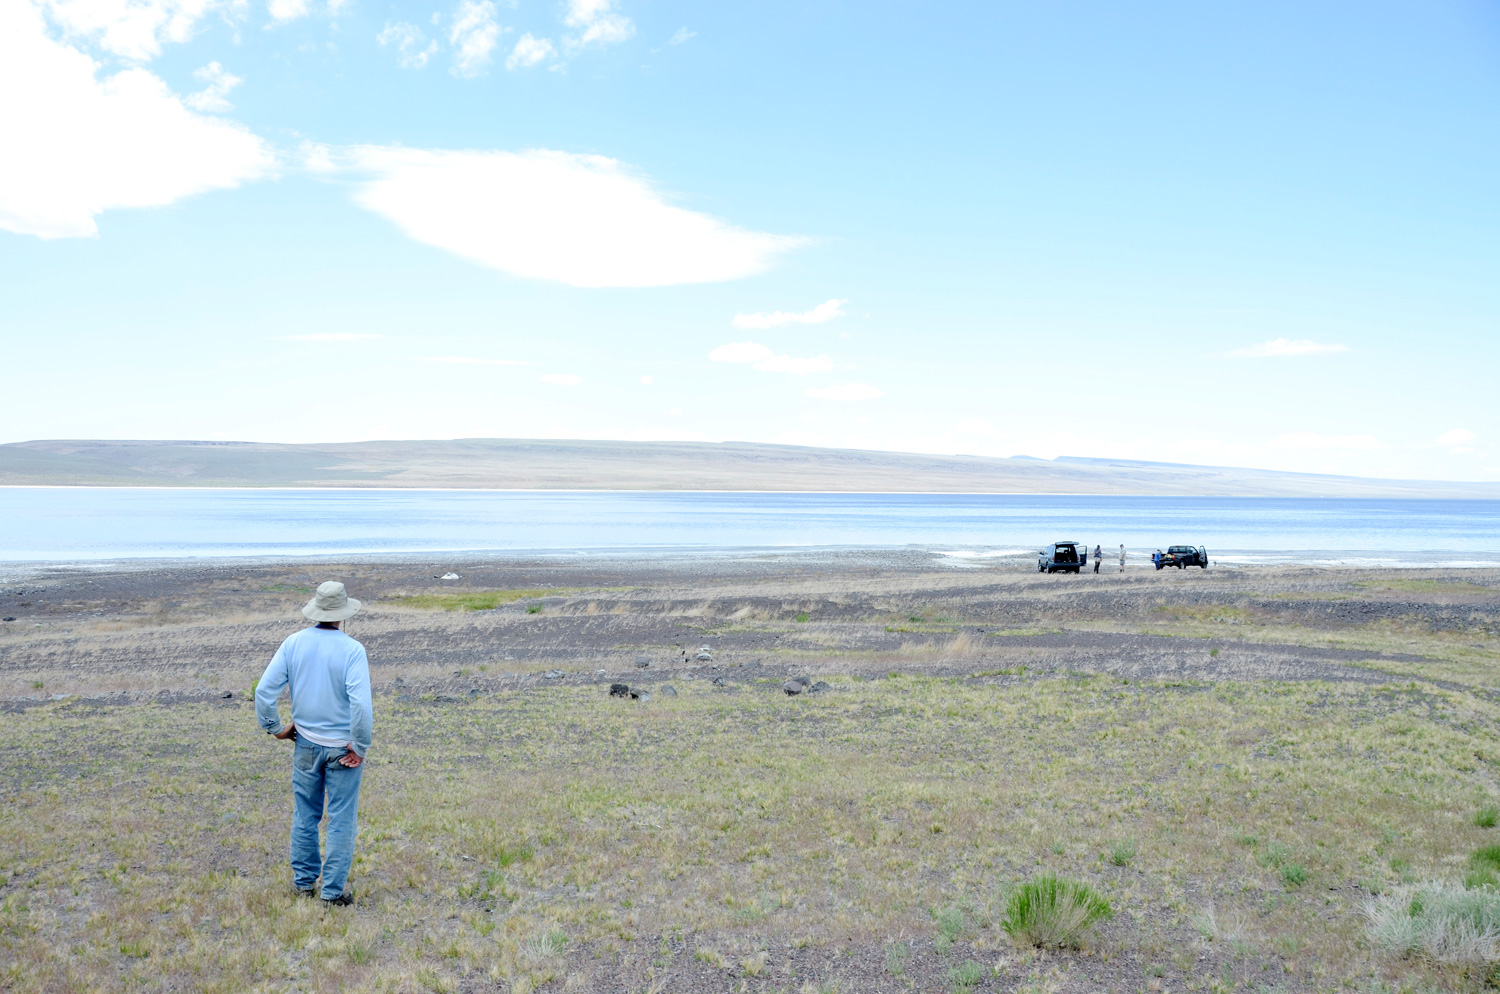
(1183, 556)
(1062, 557)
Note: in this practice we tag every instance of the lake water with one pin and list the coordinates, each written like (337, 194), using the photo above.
(81, 524)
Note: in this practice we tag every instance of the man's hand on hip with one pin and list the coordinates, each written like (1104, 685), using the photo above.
(289, 732)
(351, 758)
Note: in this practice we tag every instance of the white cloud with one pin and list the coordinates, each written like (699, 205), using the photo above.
(826, 311)
(562, 379)
(845, 391)
(77, 145)
(600, 24)
(467, 360)
(474, 35)
(411, 53)
(682, 35)
(1285, 347)
(1458, 436)
(132, 29)
(583, 220)
(282, 11)
(529, 51)
(213, 97)
(764, 359)
(1306, 440)
(340, 336)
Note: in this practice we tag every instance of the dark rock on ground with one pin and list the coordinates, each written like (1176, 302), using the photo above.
(619, 690)
(668, 690)
(793, 688)
(643, 661)
(819, 687)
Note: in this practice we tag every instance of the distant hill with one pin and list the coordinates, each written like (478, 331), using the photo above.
(572, 464)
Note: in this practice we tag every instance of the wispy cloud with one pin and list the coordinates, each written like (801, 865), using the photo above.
(762, 358)
(474, 35)
(1457, 441)
(214, 96)
(682, 35)
(583, 220)
(597, 23)
(469, 360)
(845, 391)
(133, 30)
(826, 311)
(1277, 347)
(529, 51)
(562, 379)
(282, 11)
(411, 52)
(336, 336)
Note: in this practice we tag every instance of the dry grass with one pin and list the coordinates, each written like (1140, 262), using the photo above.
(494, 829)
(543, 836)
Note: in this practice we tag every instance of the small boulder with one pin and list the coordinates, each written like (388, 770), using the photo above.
(7, 618)
(818, 687)
(792, 688)
(643, 661)
(718, 681)
(637, 694)
(399, 682)
(668, 690)
(704, 655)
(619, 690)
(227, 695)
(553, 675)
(474, 691)
(449, 576)
(805, 681)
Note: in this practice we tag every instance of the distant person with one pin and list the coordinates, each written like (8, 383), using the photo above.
(331, 726)
(1098, 555)
(1156, 558)
(1122, 558)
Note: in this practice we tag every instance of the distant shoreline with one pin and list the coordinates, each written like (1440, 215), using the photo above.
(565, 465)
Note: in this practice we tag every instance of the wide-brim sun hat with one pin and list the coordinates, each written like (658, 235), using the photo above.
(330, 603)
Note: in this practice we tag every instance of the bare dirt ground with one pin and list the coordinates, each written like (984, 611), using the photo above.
(523, 831)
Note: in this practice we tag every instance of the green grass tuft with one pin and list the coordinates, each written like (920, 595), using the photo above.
(966, 976)
(473, 600)
(1487, 817)
(1122, 851)
(1051, 911)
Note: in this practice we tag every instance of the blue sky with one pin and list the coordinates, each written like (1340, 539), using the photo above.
(1256, 234)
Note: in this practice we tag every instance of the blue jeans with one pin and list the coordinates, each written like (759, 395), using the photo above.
(317, 775)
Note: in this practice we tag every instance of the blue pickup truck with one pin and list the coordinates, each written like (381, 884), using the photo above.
(1062, 557)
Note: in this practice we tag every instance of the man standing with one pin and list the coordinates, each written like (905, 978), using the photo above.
(329, 679)
(1098, 554)
(1122, 558)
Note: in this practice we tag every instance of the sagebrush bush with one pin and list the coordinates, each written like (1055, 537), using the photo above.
(1053, 911)
(1444, 921)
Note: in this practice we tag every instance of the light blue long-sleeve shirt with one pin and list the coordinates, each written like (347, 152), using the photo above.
(329, 678)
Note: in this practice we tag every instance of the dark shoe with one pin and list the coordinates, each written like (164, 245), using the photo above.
(342, 901)
(307, 892)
